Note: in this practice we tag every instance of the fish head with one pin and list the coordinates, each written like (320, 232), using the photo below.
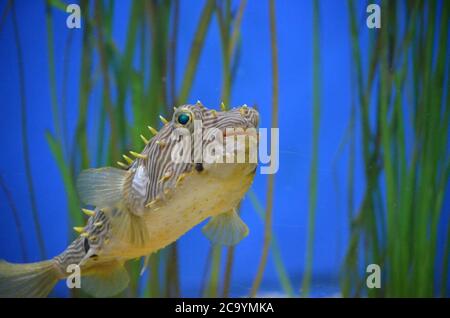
(202, 141)
(227, 136)
(239, 117)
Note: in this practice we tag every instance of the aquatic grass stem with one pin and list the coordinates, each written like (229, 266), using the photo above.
(172, 274)
(65, 80)
(212, 289)
(276, 254)
(196, 48)
(15, 213)
(271, 177)
(159, 17)
(173, 52)
(24, 129)
(224, 21)
(228, 272)
(75, 215)
(80, 144)
(5, 13)
(172, 271)
(52, 73)
(315, 153)
(228, 24)
(107, 102)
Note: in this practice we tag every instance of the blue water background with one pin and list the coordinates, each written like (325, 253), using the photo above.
(252, 86)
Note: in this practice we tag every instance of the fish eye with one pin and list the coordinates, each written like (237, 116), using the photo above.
(183, 118)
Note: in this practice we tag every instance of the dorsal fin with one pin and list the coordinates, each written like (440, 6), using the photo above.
(101, 187)
(109, 189)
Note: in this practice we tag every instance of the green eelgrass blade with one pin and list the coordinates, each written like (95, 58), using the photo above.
(64, 89)
(445, 264)
(15, 213)
(212, 287)
(24, 128)
(51, 64)
(5, 14)
(107, 96)
(276, 253)
(315, 153)
(224, 19)
(172, 276)
(228, 24)
(156, 98)
(271, 178)
(228, 270)
(196, 48)
(57, 4)
(172, 271)
(69, 183)
(84, 91)
(153, 286)
(154, 102)
(133, 267)
(173, 52)
(124, 76)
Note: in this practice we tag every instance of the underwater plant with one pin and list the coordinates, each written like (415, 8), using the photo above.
(399, 121)
(405, 150)
(151, 87)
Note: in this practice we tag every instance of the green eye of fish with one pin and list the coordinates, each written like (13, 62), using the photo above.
(183, 118)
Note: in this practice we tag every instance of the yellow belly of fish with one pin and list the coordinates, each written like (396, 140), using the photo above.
(201, 195)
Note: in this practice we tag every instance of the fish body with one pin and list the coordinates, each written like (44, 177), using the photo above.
(197, 198)
(150, 204)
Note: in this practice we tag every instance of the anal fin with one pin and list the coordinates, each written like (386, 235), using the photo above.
(106, 280)
(130, 228)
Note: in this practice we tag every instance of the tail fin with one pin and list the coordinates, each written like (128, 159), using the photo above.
(27, 280)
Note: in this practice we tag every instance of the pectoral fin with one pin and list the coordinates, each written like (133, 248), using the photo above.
(106, 280)
(226, 228)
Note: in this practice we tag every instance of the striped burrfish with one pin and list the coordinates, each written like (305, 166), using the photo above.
(151, 201)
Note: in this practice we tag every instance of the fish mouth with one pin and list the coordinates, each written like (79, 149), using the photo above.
(234, 132)
(246, 144)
